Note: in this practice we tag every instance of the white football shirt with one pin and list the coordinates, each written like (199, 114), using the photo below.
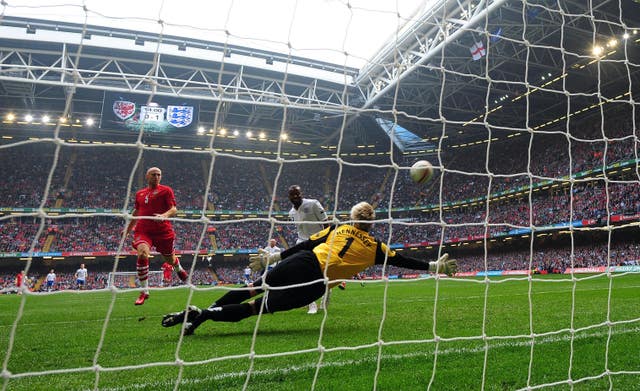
(309, 211)
(81, 274)
(272, 250)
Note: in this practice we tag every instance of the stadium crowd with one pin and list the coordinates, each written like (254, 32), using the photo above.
(75, 184)
(586, 201)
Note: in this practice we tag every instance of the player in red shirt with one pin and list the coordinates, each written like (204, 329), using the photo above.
(20, 280)
(167, 271)
(159, 201)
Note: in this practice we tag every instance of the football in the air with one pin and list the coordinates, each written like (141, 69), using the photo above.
(421, 171)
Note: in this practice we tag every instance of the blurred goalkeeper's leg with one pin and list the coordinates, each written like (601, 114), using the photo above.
(238, 296)
(226, 313)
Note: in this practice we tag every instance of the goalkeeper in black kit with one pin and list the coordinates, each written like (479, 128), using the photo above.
(342, 251)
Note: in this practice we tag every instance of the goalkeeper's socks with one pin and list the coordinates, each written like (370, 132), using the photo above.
(227, 313)
(232, 297)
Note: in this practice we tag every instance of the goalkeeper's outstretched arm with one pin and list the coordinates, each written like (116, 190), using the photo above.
(442, 265)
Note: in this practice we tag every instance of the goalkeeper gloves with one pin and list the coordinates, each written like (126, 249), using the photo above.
(444, 265)
(263, 259)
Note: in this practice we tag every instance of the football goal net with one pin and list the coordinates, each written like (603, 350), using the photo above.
(525, 110)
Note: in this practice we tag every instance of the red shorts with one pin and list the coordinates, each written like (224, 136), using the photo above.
(162, 241)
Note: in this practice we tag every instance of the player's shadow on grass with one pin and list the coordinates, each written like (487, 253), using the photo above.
(300, 331)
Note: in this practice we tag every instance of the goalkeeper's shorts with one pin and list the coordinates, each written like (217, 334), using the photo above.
(298, 268)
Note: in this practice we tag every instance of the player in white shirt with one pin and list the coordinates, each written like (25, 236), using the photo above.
(247, 275)
(272, 249)
(51, 280)
(81, 276)
(303, 211)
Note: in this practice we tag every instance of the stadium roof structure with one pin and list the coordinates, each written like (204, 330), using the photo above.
(539, 71)
(539, 67)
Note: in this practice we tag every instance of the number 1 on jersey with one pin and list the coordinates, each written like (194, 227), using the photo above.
(345, 247)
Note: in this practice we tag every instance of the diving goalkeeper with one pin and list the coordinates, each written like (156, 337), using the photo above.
(343, 251)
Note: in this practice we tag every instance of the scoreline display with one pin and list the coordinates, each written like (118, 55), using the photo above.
(133, 112)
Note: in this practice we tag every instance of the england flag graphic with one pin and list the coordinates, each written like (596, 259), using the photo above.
(180, 116)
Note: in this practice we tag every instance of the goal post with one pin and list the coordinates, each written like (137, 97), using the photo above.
(129, 280)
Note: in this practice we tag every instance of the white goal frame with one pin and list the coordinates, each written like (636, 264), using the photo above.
(155, 279)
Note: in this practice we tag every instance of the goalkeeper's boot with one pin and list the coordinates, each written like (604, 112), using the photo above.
(172, 319)
(141, 299)
(182, 274)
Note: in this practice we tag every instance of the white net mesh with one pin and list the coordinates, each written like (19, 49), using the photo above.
(526, 109)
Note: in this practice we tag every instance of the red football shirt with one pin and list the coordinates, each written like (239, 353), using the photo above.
(167, 270)
(151, 202)
(19, 279)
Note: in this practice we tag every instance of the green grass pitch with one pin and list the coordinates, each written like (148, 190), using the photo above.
(379, 336)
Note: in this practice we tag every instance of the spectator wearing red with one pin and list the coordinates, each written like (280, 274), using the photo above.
(167, 271)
